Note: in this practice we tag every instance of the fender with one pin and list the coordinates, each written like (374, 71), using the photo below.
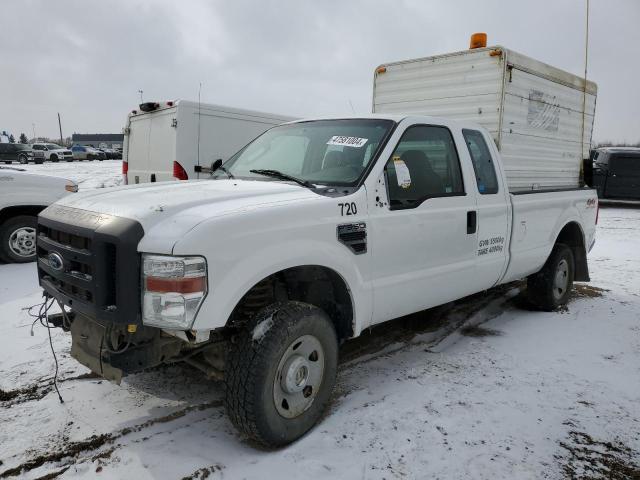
(228, 287)
(241, 250)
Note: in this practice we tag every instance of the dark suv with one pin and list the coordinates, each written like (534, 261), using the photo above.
(16, 152)
(616, 172)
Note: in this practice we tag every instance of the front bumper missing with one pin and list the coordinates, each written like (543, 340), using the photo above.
(91, 346)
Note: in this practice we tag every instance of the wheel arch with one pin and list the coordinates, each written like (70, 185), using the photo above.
(572, 235)
(317, 285)
(15, 210)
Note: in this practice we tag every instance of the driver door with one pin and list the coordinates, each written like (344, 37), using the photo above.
(424, 239)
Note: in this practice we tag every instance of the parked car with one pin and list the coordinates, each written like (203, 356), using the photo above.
(17, 152)
(110, 153)
(22, 196)
(98, 154)
(616, 173)
(161, 139)
(52, 152)
(84, 152)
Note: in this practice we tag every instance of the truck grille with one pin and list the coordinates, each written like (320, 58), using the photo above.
(90, 262)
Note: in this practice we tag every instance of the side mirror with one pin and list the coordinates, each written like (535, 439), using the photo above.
(216, 164)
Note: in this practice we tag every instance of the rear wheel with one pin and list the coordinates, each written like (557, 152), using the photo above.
(18, 239)
(280, 372)
(551, 286)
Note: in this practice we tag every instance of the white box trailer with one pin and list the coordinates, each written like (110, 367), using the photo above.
(540, 117)
(167, 140)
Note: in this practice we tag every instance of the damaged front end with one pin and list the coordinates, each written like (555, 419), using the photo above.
(90, 264)
(113, 351)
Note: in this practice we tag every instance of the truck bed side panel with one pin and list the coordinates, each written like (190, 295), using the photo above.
(538, 219)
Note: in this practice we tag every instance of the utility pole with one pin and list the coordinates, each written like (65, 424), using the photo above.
(60, 126)
(140, 92)
(33, 125)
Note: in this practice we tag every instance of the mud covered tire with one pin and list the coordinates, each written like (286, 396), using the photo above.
(252, 366)
(551, 287)
(12, 249)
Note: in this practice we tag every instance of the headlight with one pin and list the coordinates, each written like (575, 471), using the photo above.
(173, 289)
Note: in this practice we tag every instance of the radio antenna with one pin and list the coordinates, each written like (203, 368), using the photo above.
(584, 88)
(199, 92)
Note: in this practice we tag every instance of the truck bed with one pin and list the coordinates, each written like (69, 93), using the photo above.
(538, 218)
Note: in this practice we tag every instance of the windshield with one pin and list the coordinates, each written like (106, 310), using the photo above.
(329, 152)
(52, 146)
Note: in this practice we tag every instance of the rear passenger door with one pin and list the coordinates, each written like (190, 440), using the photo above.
(492, 206)
(423, 247)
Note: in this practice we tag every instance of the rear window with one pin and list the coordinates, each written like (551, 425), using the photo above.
(482, 162)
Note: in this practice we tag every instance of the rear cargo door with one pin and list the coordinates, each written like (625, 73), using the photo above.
(162, 145)
(138, 149)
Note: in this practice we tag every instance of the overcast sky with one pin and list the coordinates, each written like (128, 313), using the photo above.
(88, 59)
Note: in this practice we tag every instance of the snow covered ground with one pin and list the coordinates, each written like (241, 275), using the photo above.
(479, 389)
(87, 175)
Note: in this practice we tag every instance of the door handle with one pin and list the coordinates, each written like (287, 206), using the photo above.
(472, 222)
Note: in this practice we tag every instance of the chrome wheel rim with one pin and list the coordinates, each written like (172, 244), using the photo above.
(561, 279)
(299, 376)
(22, 242)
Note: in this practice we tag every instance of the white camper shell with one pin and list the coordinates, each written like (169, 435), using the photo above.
(540, 117)
(165, 141)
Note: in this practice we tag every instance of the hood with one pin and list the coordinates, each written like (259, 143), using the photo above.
(170, 209)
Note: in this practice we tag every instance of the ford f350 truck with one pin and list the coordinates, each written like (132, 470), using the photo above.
(313, 232)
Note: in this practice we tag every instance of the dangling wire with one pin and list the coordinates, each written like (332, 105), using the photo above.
(42, 317)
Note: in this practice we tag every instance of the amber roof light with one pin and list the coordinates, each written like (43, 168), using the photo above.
(478, 40)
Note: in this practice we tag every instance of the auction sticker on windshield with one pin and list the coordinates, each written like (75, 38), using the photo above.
(347, 141)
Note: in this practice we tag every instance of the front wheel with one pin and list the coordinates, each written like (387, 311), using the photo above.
(54, 158)
(551, 286)
(18, 239)
(23, 159)
(280, 372)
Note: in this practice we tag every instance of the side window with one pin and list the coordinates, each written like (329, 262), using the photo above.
(625, 166)
(424, 165)
(37, 147)
(482, 162)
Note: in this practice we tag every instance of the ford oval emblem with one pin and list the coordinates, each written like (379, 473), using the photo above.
(55, 261)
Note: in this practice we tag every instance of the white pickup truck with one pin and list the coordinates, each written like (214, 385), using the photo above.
(22, 196)
(315, 231)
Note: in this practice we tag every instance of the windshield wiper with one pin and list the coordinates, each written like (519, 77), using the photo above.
(283, 176)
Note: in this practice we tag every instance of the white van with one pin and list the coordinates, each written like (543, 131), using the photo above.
(167, 140)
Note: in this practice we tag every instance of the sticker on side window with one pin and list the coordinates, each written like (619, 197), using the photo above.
(347, 141)
(402, 172)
